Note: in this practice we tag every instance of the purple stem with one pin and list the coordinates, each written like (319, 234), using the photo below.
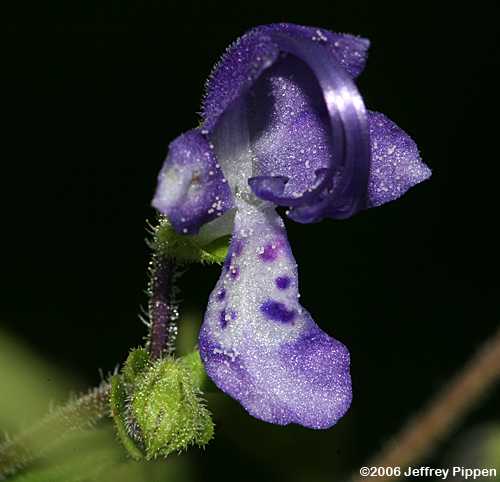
(162, 308)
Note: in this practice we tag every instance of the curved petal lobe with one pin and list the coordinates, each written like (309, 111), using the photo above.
(255, 51)
(350, 144)
(191, 188)
(259, 345)
(240, 66)
(396, 165)
(350, 50)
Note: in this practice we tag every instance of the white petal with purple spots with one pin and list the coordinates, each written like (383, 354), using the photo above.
(259, 344)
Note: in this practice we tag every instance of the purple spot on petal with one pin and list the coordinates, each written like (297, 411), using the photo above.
(270, 253)
(276, 311)
(237, 247)
(222, 319)
(221, 294)
(283, 282)
(225, 317)
(228, 260)
(234, 272)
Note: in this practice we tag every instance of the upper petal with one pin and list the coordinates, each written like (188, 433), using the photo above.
(257, 342)
(191, 188)
(327, 134)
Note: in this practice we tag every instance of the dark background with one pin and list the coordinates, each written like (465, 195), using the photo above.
(94, 94)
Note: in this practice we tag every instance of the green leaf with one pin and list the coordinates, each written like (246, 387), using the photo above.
(32, 384)
(94, 456)
(492, 448)
(83, 457)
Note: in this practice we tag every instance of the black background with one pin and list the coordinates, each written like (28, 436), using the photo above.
(94, 94)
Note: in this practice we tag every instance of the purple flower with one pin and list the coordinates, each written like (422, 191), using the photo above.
(283, 125)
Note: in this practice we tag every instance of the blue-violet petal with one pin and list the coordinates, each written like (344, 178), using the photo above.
(255, 51)
(191, 188)
(396, 164)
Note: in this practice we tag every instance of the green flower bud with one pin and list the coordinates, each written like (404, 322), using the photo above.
(136, 362)
(192, 362)
(119, 412)
(157, 406)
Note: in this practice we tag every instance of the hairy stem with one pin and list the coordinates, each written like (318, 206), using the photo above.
(427, 428)
(162, 308)
(79, 414)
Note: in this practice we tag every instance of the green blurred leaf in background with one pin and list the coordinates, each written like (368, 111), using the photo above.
(30, 386)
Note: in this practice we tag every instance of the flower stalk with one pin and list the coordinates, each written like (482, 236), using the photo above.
(162, 308)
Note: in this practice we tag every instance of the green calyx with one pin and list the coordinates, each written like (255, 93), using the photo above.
(158, 407)
(185, 248)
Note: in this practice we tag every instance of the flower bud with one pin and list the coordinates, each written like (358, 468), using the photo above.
(163, 411)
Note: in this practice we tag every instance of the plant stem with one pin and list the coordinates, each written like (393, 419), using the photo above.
(162, 308)
(426, 429)
(78, 414)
